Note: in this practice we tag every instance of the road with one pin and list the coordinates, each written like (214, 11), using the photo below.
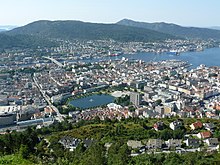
(59, 116)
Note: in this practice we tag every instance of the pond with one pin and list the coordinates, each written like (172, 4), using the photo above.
(92, 101)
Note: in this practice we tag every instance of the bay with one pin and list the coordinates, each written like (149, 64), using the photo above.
(208, 57)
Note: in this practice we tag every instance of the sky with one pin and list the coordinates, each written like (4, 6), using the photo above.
(200, 13)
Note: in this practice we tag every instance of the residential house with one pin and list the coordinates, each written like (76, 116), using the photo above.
(154, 144)
(204, 135)
(69, 142)
(209, 126)
(159, 125)
(211, 142)
(173, 143)
(176, 124)
(196, 125)
(134, 144)
(192, 142)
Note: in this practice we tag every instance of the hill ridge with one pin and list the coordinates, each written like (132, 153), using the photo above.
(84, 30)
(174, 29)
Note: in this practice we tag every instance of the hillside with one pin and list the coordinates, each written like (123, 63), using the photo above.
(106, 142)
(23, 41)
(173, 29)
(89, 31)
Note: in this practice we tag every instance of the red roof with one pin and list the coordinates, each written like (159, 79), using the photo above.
(197, 124)
(206, 134)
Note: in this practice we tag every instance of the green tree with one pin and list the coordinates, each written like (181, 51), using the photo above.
(166, 134)
(24, 151)
(172, 159)
(94, 155)
(118, 154)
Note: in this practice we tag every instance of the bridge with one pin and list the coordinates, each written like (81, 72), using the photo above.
(54, 61)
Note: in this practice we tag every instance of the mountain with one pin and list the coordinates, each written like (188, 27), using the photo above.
(42, 32)
(176, 30)
(23, 41)
(70, 30)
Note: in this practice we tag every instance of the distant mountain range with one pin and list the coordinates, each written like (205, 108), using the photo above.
(41, 33)
(173, 29)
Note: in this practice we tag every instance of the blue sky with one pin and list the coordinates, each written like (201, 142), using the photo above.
(202, 13)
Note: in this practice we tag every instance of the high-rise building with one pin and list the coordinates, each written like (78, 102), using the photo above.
(135, 98)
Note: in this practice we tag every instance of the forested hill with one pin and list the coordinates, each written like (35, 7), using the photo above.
(40, 33)
(89, 31)
(23, 41)
(173, 29)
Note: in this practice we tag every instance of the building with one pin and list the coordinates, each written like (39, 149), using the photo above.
(3, 100)
(196, 125)
(114, 106)
(35, 122)
(159, 126)
(212, 142)
(169, 108)
(70, 143)
(209, 126)
(134, 144)
(204, 135)
(159, 109)
(140, 111)
(154, 143)
(192, 142)
(175, 124)
(7, 119)
(173, 143)
(135, 98)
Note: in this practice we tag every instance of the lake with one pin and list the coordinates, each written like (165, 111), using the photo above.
(92, 101)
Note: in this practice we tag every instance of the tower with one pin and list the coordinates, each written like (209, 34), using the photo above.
(135, 98)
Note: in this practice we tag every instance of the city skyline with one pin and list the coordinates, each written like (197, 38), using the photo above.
(186, 13)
